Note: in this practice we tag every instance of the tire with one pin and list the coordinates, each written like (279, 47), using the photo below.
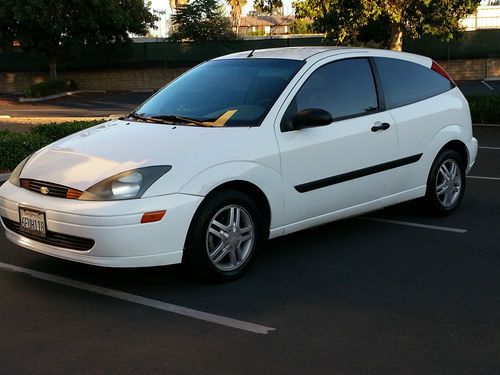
(445, 184)
(223, 237)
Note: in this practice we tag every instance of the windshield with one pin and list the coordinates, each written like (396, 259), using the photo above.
(236, 92)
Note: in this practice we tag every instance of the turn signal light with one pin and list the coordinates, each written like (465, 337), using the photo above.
(151, 217)
(73, 194)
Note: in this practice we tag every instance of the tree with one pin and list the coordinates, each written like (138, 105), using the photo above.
(270, 7)
(52, 27)
(301, 26)
(201, 21)
(342, 20)
(236, 8)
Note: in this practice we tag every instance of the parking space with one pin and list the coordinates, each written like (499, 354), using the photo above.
(357, 296)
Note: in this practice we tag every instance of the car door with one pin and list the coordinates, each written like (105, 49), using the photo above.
(341, 165)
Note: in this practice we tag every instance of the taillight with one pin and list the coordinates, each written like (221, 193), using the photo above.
(437, 68)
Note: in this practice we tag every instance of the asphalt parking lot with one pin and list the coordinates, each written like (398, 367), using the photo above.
(393, 292)
(120, 103)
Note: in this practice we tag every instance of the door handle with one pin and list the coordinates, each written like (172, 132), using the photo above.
(383, 126)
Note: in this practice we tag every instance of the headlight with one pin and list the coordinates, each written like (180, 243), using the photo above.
(14, 176)
(126, 185)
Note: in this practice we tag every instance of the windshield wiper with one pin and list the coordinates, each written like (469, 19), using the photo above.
(188, 120)
(147, 119)
(168, 119)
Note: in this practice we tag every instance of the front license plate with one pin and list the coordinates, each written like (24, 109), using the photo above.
(32, 222)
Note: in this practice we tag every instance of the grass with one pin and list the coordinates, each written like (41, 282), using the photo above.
(16, 146)
(485, 109)
(46, 88)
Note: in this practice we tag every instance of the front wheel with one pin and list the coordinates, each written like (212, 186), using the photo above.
(445, 184)
(223, 237)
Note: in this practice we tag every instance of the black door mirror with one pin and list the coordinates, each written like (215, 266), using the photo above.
(309, 118)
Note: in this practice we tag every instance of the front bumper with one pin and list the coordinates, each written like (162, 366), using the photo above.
(120, 239)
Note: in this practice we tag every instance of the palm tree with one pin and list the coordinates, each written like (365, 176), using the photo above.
(236, 8)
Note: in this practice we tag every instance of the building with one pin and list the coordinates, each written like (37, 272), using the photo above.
(265, 25)
(486, 17)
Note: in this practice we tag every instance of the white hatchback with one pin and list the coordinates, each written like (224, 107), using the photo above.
(243, 148)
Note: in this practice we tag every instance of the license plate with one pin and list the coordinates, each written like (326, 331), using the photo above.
(32, 222)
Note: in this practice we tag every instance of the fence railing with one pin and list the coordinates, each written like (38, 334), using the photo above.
(474, 44)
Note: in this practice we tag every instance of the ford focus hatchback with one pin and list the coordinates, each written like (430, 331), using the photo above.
(243, 148)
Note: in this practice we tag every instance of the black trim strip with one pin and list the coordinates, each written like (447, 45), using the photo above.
(324, 182)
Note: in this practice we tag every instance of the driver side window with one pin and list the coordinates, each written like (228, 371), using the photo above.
(343, 88)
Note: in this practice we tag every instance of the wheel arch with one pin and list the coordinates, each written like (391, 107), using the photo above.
(253, 192)
(459, 147)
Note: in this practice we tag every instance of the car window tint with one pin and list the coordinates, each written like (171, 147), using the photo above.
(249, 87)
(405, 82)
(343, 88)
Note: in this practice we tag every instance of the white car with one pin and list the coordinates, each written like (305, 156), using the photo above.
(243, 148)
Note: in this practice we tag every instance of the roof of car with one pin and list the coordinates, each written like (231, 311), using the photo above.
(318, 52)
(293, 53)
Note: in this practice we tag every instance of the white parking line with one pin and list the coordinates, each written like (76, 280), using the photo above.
(200, 315)
(488, 86)
(417, 225)
(484, 178)
(489, 148)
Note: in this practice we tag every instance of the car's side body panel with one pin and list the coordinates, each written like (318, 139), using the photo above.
(425, 127)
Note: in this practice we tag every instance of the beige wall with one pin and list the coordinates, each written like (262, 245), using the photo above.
(111, 80)
(145, 79)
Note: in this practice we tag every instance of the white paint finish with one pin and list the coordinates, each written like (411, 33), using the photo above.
(120, 240)
(416, 225)
(356, 210)
(424, 128)
(128, 297)
(316, 153)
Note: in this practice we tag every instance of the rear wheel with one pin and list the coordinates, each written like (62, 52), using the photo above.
(223, 236)
(445, 184)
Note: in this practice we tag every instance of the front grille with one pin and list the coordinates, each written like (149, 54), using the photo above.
(52, 190)
(55, 239)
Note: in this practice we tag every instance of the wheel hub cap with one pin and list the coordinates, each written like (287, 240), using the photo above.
(230, 238)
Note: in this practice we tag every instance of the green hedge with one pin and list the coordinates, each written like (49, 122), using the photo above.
(16, 146)
(485, 109)
(49, 88)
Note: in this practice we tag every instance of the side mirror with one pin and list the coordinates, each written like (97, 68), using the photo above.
(309, 118)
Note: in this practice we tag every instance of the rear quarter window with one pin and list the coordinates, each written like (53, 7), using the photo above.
(405, 82)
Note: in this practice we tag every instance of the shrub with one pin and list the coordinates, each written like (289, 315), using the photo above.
(53, 132)
(49, 88)
(16, 146)
(485, 109)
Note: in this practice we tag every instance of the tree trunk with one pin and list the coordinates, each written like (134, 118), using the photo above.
(52, 68)
(396, 42)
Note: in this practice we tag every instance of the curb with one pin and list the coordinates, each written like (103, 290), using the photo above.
(4, 177)
(66, 93)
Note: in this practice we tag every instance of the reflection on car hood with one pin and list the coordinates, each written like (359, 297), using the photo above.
(85, 158)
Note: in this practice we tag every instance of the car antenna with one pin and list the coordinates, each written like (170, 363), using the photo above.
(251, 53)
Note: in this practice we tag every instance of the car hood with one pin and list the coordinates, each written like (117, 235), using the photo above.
(88, 157)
